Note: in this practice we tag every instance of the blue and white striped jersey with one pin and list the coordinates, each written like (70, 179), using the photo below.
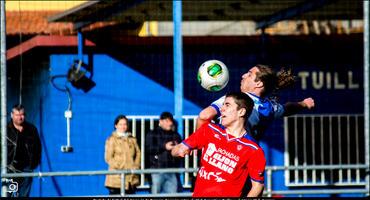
(264, 112)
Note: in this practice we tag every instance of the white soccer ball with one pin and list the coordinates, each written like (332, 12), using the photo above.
(213, 75)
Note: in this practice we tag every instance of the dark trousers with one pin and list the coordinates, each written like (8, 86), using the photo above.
(114, 191)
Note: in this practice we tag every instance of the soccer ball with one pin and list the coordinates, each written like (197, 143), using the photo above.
(213, 75)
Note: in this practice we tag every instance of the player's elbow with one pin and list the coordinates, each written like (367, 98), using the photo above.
(256, 191)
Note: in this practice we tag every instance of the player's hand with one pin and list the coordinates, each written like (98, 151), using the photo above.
(170, 145)
(184, 152)
(180, 150)
(308, 103)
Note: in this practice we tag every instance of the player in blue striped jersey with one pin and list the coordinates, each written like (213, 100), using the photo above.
(260, 82)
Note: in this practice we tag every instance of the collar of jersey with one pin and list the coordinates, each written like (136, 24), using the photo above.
(263, 106)
(249, 137)
(223, 132)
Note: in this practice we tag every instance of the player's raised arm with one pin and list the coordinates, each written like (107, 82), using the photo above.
(180, 150)
(256, 190)
(206, 115)
(292, 108)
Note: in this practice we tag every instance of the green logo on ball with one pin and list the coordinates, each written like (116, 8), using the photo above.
(214, 70)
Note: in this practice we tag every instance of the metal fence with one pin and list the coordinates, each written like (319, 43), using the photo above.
(140, 125)
(268, 183)
(318, 140)
(304, 166)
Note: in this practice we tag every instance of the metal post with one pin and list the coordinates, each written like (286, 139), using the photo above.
(3, 95)
(269, 182)
(286, 151)
(123, 184)
(80, 45)
(142, 142)
(178, 68)
(366, 90)
(68, 115)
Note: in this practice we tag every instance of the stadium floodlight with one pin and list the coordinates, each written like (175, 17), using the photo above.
(77, 76)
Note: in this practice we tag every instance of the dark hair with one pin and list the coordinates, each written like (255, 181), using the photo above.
(119, 117)
(273, 81)
(18, 107)
(166, 115)
(242, 100)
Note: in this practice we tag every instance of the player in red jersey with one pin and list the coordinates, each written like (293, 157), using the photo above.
(230, 155)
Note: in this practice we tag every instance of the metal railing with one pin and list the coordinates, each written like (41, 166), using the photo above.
(100, 172)
(140, 125)
(324, 140)
(269, 192)
(361, 183)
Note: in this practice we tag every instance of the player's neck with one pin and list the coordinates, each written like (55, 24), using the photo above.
(255, 92)
(236, 129)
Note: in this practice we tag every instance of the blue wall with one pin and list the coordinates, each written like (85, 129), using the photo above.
(119, 89)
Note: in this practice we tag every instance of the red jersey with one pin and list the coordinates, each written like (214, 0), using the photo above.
(226, 161)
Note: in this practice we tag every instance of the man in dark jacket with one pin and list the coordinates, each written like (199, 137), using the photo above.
(158, 145)
(24, 151)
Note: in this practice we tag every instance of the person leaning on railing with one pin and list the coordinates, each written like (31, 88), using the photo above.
(158, 145)
(24, 152)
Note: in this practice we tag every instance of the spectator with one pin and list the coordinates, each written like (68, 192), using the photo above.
(158, 145)
(24, 150)
(122, 152)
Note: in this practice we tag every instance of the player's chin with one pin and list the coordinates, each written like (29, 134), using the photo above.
(224, 122)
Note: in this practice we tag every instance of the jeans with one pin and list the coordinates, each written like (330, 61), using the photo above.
(164, 183)
(25, 187)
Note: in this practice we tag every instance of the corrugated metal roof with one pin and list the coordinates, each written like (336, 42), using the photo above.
(35, 22)
(261, 11)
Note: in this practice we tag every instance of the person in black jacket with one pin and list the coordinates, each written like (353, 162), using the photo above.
(24, 151)
(158, 145)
